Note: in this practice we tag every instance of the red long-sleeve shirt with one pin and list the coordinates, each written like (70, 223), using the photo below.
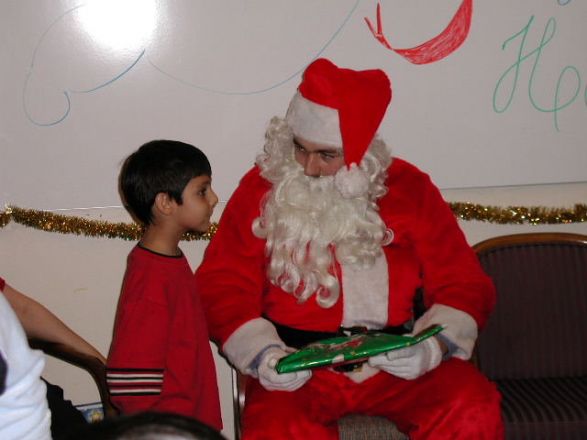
(160, 357)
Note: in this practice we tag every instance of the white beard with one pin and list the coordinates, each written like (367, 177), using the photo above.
(308, 224)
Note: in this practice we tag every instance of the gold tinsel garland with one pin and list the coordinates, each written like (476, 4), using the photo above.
(517, 215)
(51, 222)
(5, 217)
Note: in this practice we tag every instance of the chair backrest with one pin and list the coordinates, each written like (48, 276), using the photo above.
(94, 366)
(539, 326)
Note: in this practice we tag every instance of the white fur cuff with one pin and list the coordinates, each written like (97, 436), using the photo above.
(459, 327)
(248, 340)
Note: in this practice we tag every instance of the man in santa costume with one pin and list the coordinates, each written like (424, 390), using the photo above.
(329, 232)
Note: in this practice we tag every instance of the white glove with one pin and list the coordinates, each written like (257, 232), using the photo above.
(272, 380)
(410, 362)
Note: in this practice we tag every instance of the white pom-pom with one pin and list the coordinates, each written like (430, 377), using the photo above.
(388, 237)
(351, 182)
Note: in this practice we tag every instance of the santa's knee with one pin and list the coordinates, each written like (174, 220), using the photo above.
(471, 408)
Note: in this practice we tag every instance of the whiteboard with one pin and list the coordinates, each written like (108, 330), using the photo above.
(86, 83)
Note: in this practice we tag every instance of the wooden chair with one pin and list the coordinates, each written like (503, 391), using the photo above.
(92, 365)
(352, 427)
(535, 343)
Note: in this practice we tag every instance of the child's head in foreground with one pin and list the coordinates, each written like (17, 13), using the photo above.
(166, 174)
(147, 426)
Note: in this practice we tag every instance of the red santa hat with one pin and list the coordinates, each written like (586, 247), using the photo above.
(339, 107)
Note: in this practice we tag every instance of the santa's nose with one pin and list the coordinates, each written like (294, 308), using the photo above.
(312, 165)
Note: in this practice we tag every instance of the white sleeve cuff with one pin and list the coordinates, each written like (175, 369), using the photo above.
(459, 328)
(248, 340)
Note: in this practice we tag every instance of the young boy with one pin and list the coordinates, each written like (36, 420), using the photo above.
(160, 357)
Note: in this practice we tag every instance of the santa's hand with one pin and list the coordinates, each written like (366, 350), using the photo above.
(272, 380)
(410, 362)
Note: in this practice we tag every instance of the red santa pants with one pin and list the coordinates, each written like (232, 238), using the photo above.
(454, 401)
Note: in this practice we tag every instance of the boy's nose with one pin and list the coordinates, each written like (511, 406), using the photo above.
(214, 200)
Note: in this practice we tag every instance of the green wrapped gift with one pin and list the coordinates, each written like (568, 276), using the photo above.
(349, 349)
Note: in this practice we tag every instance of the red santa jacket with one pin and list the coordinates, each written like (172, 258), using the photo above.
(429, 250)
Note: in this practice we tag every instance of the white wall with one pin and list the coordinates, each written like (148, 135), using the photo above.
(79, 278)
(76, 101)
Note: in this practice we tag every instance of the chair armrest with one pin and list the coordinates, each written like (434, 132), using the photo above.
(94, 366)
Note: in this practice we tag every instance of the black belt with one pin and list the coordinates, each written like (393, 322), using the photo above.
(296, 338)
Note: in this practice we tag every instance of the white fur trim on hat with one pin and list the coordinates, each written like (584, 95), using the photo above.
(314, 122)
(351, 182)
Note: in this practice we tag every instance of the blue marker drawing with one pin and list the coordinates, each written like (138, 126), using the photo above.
(276, 84)
(117, 77)
(67, 93)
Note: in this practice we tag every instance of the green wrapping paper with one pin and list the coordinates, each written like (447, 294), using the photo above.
(349, 349)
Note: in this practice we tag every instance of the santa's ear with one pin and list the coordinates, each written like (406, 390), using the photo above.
(164, 204)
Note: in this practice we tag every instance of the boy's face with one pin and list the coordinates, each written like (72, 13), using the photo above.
(198, 202)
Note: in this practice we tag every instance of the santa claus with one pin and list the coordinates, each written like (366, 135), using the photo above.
(329, 232)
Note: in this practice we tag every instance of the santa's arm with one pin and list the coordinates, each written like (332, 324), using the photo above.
(458, 294)
(231, 279)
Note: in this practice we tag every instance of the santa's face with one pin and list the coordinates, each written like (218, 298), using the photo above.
(318, 160)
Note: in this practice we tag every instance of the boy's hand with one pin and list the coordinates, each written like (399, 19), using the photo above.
(272, 380)
(410, 362)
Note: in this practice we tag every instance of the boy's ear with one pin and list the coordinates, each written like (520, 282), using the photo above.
(164, 204)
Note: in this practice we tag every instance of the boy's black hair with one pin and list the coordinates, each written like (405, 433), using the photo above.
(145, 426)
(160, 166)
